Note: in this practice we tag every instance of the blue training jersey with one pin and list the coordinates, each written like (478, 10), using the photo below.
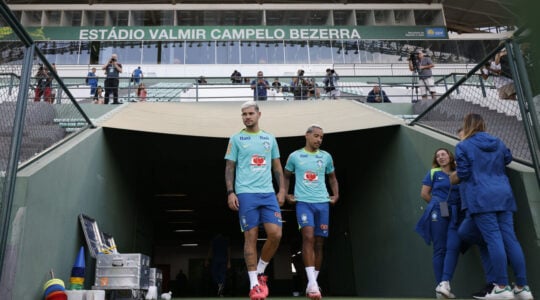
(440, 186)
(310, 169)
(253, 154)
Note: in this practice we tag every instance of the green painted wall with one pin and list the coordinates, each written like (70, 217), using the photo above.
(372, 250)
(81, 176)
(389, 258)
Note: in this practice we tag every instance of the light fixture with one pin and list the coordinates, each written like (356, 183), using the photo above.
(209, 44)
(184, 230)
(189, 245)
(180, 210)
(180, 222)
(232, 44)
(224, 44)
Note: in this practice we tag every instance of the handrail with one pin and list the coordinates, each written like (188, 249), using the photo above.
(454, 87)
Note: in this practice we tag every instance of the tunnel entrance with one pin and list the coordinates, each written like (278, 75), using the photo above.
(173, 156)
(179, 183)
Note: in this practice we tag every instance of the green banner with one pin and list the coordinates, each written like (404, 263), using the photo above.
(227, 33)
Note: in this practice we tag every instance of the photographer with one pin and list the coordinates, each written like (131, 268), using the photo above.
(112, 71)
(420, 64)
(330, 84)
(260, 87)
(42, 76)
(500, 68)
(300, 86)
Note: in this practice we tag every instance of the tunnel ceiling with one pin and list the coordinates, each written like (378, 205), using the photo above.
(222, 119)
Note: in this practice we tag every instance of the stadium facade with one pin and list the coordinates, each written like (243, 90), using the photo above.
(246, 33)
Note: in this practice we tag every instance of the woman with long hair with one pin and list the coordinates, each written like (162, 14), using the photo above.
(481, 168)
(441, 219)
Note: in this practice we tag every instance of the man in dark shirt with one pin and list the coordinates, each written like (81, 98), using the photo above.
(112, 71)
(376, 95)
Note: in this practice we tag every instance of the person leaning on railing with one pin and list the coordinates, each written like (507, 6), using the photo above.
(376, 95)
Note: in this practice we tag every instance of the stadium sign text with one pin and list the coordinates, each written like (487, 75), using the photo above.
(224, 33)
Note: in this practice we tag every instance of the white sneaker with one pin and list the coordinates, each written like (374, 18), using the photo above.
(443, 296)
(500, 293)
(313, 292)
(523, 294)
(444, 289)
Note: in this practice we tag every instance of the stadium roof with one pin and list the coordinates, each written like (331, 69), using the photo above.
(462, 16)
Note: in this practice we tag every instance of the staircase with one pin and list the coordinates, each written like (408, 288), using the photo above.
(448, 116)
(40, 131)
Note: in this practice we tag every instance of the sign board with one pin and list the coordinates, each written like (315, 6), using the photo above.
(230, 33)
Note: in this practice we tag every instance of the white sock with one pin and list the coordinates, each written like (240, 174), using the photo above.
(261, 266)
(316, 274)
(253, 281)
(310, 272)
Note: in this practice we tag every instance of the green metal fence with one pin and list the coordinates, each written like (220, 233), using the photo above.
(502, 94)
(27, 112)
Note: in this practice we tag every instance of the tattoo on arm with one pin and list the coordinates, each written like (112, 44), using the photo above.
(229, 174)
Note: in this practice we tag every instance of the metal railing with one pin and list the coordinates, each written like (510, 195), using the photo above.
(400, 89)
(511, 117)
(26, 128)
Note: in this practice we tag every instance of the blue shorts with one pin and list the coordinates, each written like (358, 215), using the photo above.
(315, 215)
(258, 208)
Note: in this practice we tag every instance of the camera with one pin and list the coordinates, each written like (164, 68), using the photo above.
(413, 58)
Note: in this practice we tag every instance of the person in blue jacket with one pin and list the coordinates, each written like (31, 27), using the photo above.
(470, 235)
(441, 219)
(481, 168)
(92, 81)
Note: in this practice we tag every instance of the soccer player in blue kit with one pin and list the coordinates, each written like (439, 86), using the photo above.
(251, 159)
(310, 166)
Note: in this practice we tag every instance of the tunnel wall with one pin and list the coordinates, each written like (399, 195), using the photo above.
(382, 178)
(80, 176)
(372, 250)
